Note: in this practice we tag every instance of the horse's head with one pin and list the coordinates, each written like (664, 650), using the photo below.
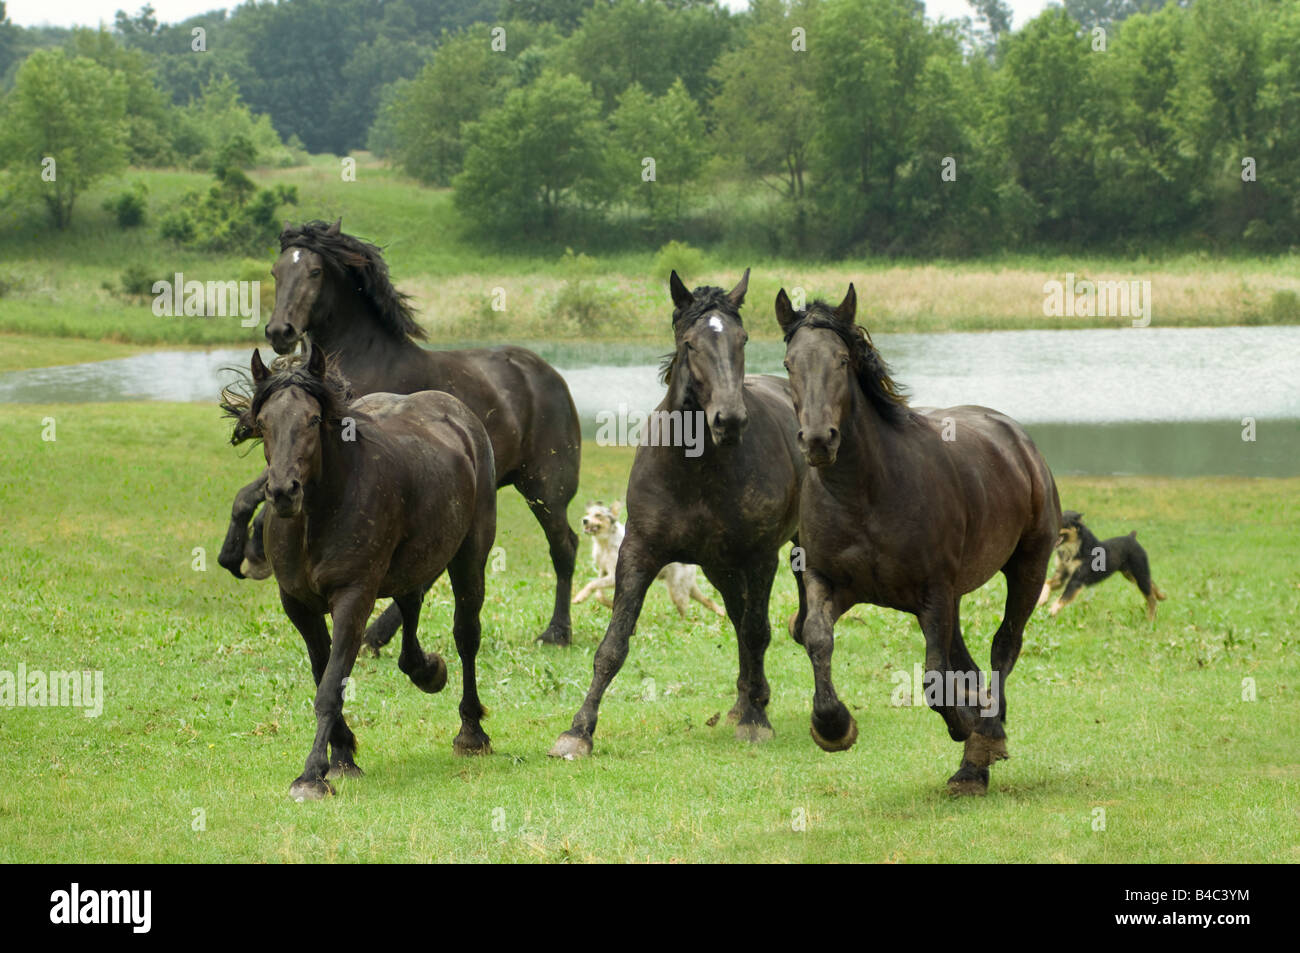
(300, 284)
(707, 370)
(829, 360)
(288, 408)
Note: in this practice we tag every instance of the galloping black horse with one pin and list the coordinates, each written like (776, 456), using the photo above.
(380, 508)
(335, 289)
(910, 511)
(729, 508)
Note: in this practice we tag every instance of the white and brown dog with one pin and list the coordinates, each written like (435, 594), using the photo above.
(600, 522)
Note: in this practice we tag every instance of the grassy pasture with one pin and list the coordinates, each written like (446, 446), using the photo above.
(52, 284)
(207, 715)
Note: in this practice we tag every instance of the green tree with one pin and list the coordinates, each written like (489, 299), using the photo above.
(527, 161)
(764, 112)
(648, 42)
(668, 130)
(70, 110)
(149, 118)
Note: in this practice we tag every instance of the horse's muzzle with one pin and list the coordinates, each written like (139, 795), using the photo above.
(820, 449)
(727, 428)
(282, 336)
(285, 500)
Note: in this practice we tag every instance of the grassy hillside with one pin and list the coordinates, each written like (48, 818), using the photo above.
(52, 283)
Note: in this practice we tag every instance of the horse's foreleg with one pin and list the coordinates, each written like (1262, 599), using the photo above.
(246, 502)
(795, 625)
(426, 670)
(833, 728)
(350, 608)
(634, 575)
(311, 625)
(746, 594)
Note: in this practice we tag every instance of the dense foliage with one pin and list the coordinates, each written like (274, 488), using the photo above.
(798, 126)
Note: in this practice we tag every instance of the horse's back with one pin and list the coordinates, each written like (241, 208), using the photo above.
(440, 420)
(521, 398)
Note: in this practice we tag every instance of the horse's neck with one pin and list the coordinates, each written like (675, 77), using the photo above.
(349, 329)
(868, 452)
(330, 486)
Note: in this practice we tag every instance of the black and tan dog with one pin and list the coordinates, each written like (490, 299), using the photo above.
(1083, 560)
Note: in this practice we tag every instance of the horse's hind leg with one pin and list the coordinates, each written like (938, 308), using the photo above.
(426, 670)
(746, 594)
(548, 494)
(466, 571)
(343, 743)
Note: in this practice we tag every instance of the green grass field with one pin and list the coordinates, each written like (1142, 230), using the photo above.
(52, 284)
(207, 711)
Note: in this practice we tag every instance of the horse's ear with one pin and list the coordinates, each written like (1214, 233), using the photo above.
(260, 373)
(737, 294)
(334, 229)
(848, 308)
(785, 315)
(315, 360)
(681, 297)
(616, 507)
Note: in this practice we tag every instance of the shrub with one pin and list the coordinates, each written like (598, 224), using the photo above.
(129, 207)
(677, 256)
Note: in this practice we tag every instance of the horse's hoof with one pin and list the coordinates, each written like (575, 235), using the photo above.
(344, 769)
(755, 732)
(555, 635)
(463, 747)
(432, 676)
(310, 790)
(570, 746)
(982, 750)
(843, 744)
(969, 781)
(255, 569)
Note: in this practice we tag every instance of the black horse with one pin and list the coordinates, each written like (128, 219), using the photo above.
(728, 505)
(378, 506)
(335, 289)
(910, 511)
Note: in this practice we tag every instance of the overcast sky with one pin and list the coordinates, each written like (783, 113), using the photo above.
(94, 12)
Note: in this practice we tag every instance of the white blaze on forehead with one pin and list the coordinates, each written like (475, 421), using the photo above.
(715, 322)
(296, 253)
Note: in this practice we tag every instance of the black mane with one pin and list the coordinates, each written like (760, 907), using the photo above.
(707, 299)
(887, 397)
(362, 264)
(243, 400)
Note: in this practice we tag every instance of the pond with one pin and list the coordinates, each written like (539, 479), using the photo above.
(1101, 401)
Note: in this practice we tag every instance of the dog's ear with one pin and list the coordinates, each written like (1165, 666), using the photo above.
(616, 507)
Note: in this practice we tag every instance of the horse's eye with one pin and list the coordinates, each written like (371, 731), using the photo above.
(314, 272)
(315, 421)
(786, 364)
(844, 362)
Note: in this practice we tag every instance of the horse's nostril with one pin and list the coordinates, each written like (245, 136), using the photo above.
(834, 433)
(799, 436)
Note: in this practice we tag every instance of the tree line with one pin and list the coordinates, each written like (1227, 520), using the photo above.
(798, 126)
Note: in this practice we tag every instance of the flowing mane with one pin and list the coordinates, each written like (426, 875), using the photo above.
(362, 264)
(243, 400)
(886, 396)
(707, 299)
